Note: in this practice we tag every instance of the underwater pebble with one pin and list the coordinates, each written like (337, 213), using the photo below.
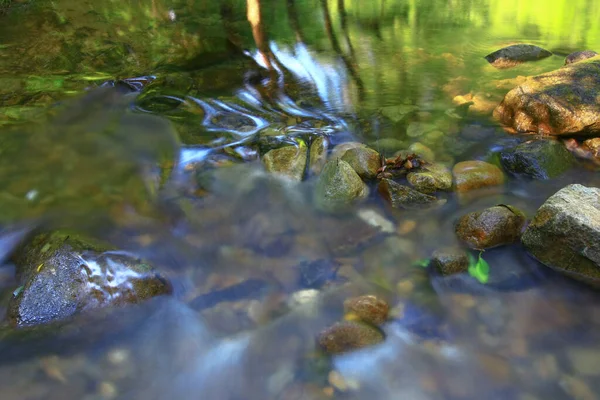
(368, 308)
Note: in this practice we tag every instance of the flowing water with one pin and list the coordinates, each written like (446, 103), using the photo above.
(112, 111)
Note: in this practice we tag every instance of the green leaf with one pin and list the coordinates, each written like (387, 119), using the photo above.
(424, 263)
(479, 269)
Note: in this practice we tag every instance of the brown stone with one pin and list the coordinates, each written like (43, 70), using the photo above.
(368, 308)
(471, 175)
(491, 227)
(346, 336)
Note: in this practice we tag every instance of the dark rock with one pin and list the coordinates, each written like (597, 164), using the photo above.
(516, 54)
(451, 260)
(364, 161)
(471, 175)
(368, 308)
(338, 186)
(289, 161)
(491, 227)
(562, 102)
(431, 178)
(347, 336)
(401, 196)
(63, 274)
(539, 159)
(565, 233)
(579, 56)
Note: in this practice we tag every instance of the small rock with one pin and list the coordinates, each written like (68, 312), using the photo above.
(341, 149)
(450, 260)
(302, 297)
(579, 56)
(368, 308)
(431, 178)
(516, 54)
(318, 155)
(565, 233)
(401, 196)
(347, 336)
(398, 113)
(338, 186)
(539, 159)
(364, 161)
(387, 145)
(422, 151)
(471, 175)
(594, 146)
(376, 220)
(491, 227)
(418, 129)
(289, 161)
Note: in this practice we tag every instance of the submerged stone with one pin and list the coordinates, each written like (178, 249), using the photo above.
(318, 155)
(565, 233)
(368, 308)
(516, 54)
(338, 186)
(471, 175)
(341, 149)
(63, 274)
(422, 151)
(431, 178)
(289, 161)
(364, 161)
(346, 336)
(400, 196)
(539, 159)
(450, 260)
(494, 226)
(579, 56)
(561, 102)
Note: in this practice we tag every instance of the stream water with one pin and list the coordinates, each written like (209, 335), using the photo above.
(111, 110)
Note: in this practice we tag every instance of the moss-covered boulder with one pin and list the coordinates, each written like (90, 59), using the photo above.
(288, 161)
(431, 178)
(565, 233)
(472, 175)
(491, 227)
(562, 102)
(538, 159)
(364, 161)
(400, 196)
(338, 186)
(63, 273)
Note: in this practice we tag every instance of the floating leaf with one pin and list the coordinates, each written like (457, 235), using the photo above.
(424, 263)
(479, 269)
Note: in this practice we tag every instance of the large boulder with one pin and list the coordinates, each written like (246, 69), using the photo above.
(62, 274)
(562, 102)
(565, 233)
(538, 159)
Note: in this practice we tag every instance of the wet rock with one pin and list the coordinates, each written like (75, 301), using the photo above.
(364, 161)
(516, 54)
(579, 56)
(368, 308)
(347, 336)
(422, 151)
(341, 149)
(318, 155)
(539, 159)
(431, 178)
(491, 227)
(376, 220)
(450, 260)
(289, 161)
(561, 102)
(565, 233)
(338, 186)
(471, 175)
(593, 145)
(63, 274)
(387, 145)
(400, 196)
